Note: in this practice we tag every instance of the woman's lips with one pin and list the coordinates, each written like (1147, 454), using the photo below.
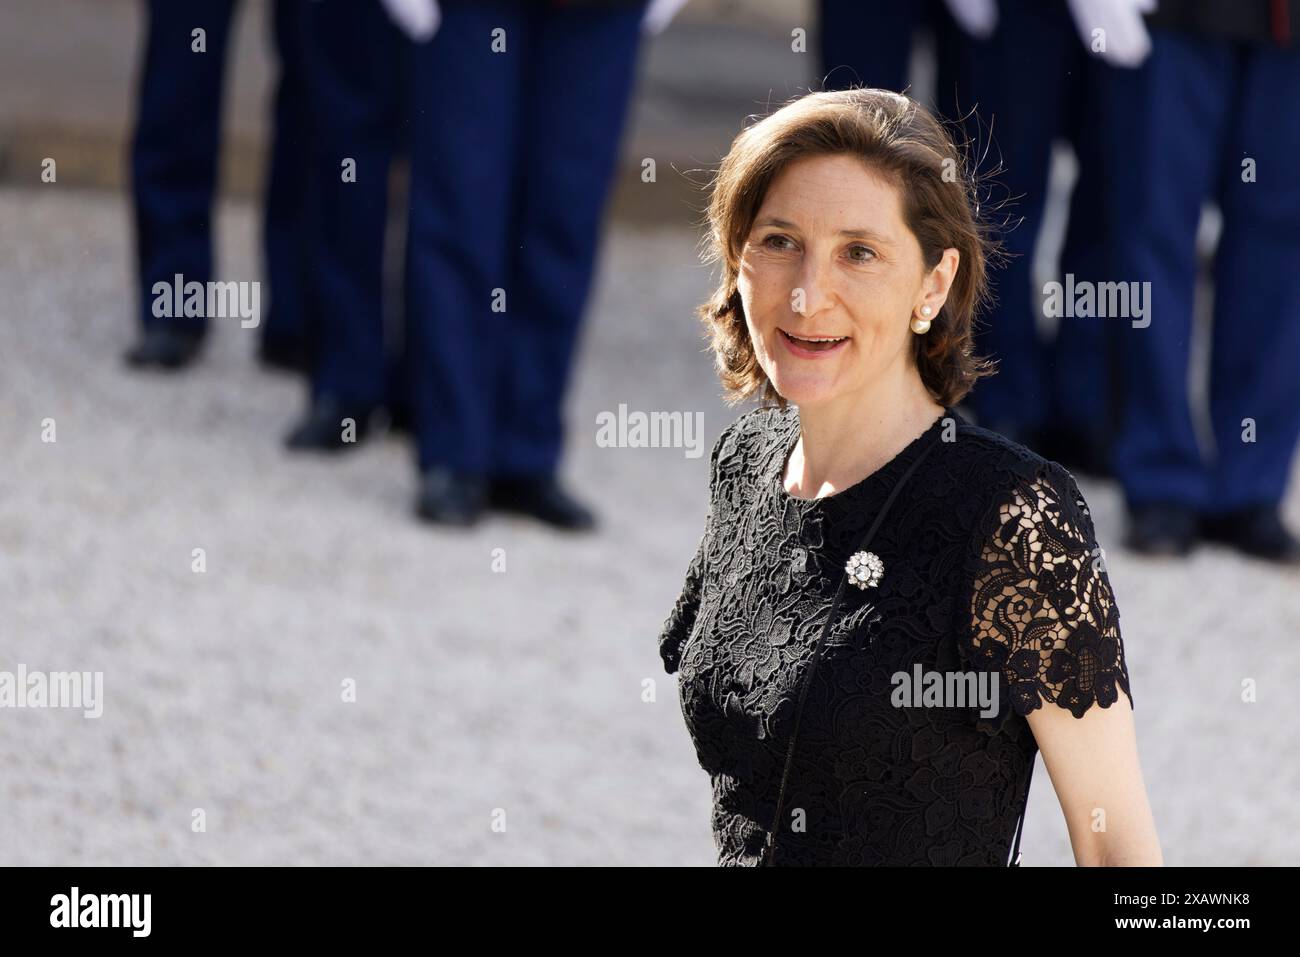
(809, 350)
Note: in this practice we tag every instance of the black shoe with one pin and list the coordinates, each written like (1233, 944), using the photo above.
(1257, 531)
(330, 426)
(1163, 528)
(543, 499)
(283, 355)
(451, 498)
(165, 347)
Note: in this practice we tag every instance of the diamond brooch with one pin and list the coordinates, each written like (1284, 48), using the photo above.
(865, 569)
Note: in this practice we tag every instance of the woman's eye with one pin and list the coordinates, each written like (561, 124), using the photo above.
(777, 241)
(861, 254)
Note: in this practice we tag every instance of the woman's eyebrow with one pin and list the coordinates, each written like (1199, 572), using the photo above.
(851, 233)
(773, 221)
(865, 234)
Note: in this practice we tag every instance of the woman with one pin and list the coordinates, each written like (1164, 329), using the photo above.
(870, 541)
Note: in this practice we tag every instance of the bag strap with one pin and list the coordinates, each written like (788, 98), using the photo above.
(770, 843)
(1014, 860)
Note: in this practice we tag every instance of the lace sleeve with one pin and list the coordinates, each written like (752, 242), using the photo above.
(1042, 609)
(677, 628)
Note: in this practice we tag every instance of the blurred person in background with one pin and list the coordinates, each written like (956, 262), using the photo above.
(1020, 68)
(514, 111)
(519, 108)
(174, 164)
(356, 64)
(1036, 73)
(1211, 116)
(870, 43)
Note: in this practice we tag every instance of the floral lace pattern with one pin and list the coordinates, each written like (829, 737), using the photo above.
(1043, 610)
(990, 565)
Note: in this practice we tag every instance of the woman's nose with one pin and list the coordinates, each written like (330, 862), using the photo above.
(810, 295)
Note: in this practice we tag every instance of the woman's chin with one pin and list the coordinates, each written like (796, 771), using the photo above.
(804, 389)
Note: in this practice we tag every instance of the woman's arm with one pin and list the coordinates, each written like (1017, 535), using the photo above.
(1093, 763)
(1044, 611)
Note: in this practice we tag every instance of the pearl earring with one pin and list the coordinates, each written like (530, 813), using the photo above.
(922, 326)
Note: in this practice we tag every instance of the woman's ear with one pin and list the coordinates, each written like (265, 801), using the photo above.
(934, 290)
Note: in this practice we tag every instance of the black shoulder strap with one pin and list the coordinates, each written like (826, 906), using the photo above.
(770, 844)
(893, 494)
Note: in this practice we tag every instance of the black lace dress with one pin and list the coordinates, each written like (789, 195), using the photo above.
(990, 564)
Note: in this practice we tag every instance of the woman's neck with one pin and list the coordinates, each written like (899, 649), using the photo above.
(849, 438)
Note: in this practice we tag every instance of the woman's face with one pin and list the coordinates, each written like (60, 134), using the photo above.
(830, 258)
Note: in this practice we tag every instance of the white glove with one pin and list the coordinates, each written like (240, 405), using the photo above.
(1127, 41)
(419, 19)
(979, 18)
(659, 14)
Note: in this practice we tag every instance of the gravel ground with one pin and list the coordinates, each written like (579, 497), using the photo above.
(477, 692)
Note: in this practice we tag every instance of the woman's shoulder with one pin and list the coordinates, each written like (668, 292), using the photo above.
(987, 467)
(993, 463)
(998, 476)
(1008, 484)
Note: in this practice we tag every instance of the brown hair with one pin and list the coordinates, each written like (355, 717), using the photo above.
(897, 138)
